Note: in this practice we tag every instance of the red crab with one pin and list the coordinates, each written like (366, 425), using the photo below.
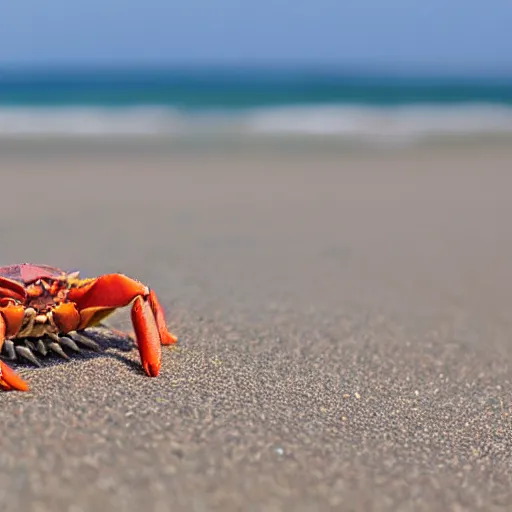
(43, 308)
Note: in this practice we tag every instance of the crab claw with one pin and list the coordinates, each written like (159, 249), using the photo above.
(147, 335)
(97, 298)
(10, 380)
(166, 337)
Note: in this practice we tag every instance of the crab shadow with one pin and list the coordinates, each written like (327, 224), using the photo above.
(111, 345)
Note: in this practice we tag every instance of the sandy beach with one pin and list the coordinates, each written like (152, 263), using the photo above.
(345, 326)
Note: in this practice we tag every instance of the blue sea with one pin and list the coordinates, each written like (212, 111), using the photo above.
(251, 103)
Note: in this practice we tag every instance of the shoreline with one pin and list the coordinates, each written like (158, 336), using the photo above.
(293, 143)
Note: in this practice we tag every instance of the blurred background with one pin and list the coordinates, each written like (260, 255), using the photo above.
(106, 109)
(319, 193)
(351, 72)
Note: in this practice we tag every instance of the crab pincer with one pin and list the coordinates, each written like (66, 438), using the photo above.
(10, 380)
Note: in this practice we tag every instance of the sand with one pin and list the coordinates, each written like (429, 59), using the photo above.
(345, 325)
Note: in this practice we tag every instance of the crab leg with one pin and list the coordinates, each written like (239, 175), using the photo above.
(9, 379)
(98, 298)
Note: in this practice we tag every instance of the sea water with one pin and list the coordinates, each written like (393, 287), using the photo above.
(251, 103)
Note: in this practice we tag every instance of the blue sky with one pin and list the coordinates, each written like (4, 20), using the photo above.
(439, 35)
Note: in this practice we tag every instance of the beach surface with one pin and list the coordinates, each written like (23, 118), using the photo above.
(344, 323)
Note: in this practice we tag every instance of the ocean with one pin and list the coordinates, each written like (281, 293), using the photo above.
(251, 103)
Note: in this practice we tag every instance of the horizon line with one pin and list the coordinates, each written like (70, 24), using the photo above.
(280, 68)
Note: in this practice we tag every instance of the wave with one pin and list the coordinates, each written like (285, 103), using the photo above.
(343, 122)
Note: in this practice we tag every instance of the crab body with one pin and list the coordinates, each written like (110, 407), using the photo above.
(49, 307)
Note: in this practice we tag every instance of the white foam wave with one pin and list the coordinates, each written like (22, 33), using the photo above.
(87, 121)
(360, 123)
(381, 123)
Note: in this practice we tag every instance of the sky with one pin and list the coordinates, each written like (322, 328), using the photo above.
(434, 35)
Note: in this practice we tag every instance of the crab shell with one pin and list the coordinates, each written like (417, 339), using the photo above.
(39, 301)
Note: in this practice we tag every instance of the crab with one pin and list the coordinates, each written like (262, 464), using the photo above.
(43, 308)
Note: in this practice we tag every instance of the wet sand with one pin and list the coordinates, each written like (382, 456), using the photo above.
(345, 325)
